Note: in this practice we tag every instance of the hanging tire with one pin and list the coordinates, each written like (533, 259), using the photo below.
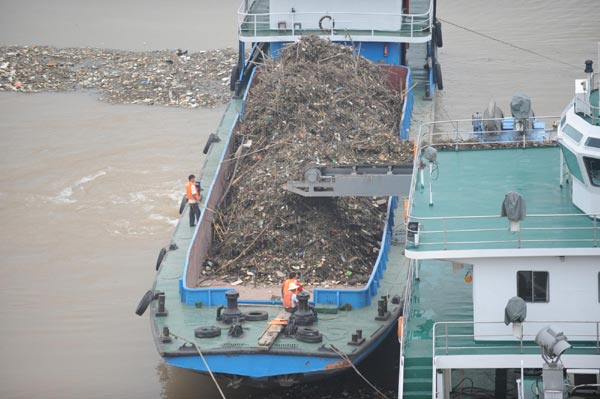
(183, 203)
(310, 335)
(207, 332)
(437, 73)
(256, 315)
(235, 72)
(145, 302)
(161, 255)
(438, 34)
(212, 138)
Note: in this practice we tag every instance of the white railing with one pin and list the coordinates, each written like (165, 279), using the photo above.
(539, 235)
(584, 102)
(294, 23)
(443, 337)
(404, 325)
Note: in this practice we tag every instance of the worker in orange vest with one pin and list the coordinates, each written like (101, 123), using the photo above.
(290, 299)
(286, 284)
(193, 196)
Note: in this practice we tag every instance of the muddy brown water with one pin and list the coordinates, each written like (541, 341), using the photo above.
(89, 191)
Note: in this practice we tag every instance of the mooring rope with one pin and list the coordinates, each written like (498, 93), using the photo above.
(346, 358)
(204, 361)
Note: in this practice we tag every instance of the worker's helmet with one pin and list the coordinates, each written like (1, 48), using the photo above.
(293, 286)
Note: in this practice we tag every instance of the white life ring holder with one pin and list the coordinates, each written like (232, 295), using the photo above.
(327, 30)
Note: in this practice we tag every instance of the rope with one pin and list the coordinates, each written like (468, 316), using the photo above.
(509, 44)
(346, 358)
(204, 361)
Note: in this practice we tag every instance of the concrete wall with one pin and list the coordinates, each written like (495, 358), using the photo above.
(573, 294)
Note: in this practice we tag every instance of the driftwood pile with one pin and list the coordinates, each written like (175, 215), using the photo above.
(318, 103)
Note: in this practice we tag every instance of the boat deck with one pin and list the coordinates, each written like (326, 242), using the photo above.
(468, 190)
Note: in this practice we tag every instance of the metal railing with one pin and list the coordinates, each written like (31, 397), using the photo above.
(253, 24)
(584, 101)
(588, 236)
(451, 338)
(404, 325)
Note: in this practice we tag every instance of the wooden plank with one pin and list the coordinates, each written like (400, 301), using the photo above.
(268, 337)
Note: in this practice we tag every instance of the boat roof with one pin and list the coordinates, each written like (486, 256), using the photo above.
(468, 187)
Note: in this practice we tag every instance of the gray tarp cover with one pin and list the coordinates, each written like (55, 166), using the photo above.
(513, 206)
(515, 311)
(491, 118)
(520, 106)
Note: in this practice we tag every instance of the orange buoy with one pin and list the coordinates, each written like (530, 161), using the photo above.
(400, 319)
(405, 209)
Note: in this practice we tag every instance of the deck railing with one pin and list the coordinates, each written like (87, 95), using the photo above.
(458, 338)
(253, 23)
(584, 101)
(404, 324)
(584, 229)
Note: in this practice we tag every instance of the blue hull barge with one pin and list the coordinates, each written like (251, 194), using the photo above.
(233, 330)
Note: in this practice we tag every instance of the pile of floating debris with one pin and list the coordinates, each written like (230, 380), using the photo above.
(318, 103)
(171, 78)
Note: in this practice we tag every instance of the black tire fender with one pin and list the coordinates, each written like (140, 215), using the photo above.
(310, 335)
(183, 203)
(438, 34)
(207, 332)
(212, 138)
(235, 72)
(161, 256)
(256, 315)
(437, 72)
(145, 302)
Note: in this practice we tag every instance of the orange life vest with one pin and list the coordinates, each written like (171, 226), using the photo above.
(188, 192)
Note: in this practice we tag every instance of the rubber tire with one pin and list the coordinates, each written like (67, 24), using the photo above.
(209, 142)
(256, 315)
(183, 203)
(437, 72)
(309, 335)
(439, 41)
(207, 332)
(161, 256)
(145, 302)
(235, 72)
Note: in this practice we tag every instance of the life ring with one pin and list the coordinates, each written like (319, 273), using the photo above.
(161, 255)
(183, 203)
(207, 332)
(327, 30)
(143, 305)
(256, 315)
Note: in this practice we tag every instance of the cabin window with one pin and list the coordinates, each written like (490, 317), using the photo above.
(592, 165)
(533, 286)
(593, 142)
(573, 133)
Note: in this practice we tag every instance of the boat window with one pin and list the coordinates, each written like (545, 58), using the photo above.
(593, 142)
(592, 165)
(572, 133)
(563, 120)
(533, 286)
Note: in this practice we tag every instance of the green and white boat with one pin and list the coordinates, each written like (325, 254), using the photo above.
(504, 234)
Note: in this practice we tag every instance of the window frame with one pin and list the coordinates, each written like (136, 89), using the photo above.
(530, 281)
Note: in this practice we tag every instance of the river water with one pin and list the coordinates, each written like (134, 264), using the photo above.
(89, 191)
